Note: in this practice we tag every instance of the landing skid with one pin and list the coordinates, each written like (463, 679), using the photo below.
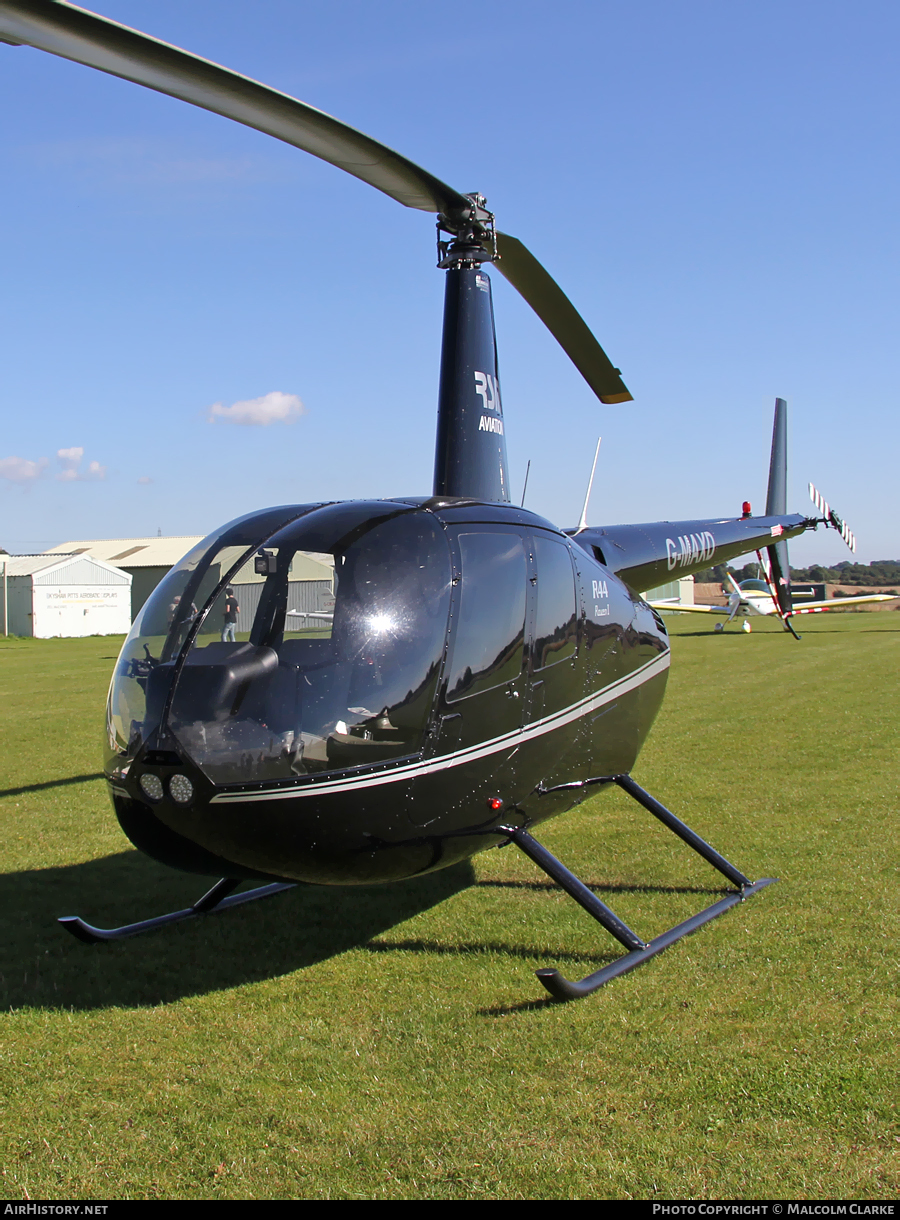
(216, 899)
(639, 951)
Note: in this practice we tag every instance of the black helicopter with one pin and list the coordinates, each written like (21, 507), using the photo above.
(473, 669)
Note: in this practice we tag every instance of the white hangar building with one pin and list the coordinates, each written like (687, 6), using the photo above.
(147, 560)
(65, 595)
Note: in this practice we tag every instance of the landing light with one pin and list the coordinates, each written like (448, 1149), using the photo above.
(151, 786)
(181, 789)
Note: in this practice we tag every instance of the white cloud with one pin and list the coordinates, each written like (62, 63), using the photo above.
(145, 479)
(259, 412)
(21, 470)
(70, 460)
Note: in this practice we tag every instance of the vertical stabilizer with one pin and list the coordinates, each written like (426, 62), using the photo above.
(776, 506)
(776, 497)
(470, 454)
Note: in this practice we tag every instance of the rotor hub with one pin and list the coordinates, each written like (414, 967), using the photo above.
(474, 236)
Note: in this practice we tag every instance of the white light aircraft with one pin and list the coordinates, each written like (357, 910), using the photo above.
(755, 597)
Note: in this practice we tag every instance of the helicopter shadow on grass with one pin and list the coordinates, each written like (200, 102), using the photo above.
(42, 966)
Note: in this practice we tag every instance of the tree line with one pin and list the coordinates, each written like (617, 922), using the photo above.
(878, 574)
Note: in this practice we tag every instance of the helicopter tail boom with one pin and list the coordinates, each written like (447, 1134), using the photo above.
(648, 555)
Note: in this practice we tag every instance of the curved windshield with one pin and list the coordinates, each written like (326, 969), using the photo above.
(144, 671)
(753, 586)
(319, 650)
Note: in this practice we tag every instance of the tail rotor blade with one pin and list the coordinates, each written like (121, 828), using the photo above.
(561, 318)
(831, 517)
(819, 500)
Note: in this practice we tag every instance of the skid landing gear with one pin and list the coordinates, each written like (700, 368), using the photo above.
(216, 899)
(639, 951)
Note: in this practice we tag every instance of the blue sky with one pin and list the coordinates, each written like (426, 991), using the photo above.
(714, 185)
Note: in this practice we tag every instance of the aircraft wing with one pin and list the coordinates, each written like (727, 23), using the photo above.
(835, 603)
(695, 609)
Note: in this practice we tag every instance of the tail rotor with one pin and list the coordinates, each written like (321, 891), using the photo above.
(830, 518)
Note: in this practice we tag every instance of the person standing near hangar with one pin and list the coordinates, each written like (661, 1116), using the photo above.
(232, 610)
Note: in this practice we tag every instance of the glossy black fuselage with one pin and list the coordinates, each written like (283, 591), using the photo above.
(569, 694)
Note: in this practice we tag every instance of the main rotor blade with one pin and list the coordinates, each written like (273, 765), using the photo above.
(76, 34)
(561, 318)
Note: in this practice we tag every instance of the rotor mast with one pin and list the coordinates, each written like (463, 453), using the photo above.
(470, 450)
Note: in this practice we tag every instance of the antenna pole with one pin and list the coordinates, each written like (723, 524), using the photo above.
(582, 524)
(525, 487)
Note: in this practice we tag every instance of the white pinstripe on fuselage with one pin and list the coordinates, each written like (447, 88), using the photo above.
(517, 737)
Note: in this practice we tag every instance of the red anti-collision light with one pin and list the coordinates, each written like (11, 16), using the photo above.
(745, 508)
(495, 803)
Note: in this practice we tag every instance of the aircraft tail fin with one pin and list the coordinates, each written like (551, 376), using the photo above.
(779, 568)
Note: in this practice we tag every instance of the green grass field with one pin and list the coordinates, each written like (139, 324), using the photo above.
(393, 1042)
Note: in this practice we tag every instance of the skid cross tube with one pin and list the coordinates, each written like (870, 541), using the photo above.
(218, 898)
(700, 846)
(639, 951)
(575, 889)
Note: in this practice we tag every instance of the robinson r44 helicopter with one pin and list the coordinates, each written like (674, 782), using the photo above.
(479, 671)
